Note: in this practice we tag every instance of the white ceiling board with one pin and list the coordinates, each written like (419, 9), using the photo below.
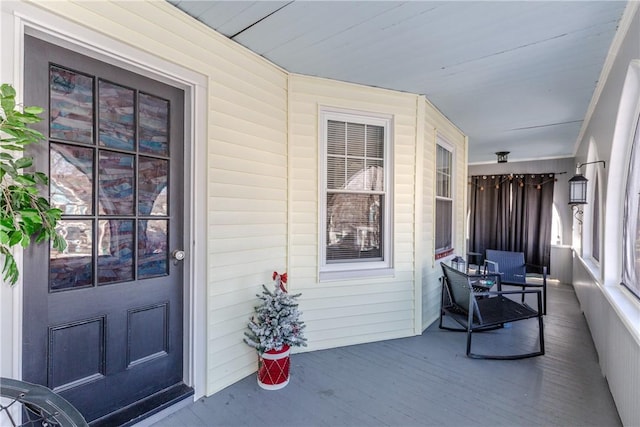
(513, 75)
(242, 16)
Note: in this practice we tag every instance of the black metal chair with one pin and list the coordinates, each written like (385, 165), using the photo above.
(468, 301)
(40, 406)
(513, 271)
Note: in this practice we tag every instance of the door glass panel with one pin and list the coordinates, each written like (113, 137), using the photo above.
(154, 125)
(127, 171)
(153, 177)
(117, 126)
(71, 116)
(115, 194)
(115, 250)
(73, 267)
(152, 248)
(71, 178)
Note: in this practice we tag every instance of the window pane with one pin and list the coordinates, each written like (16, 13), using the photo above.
(71, 116)
(443, 172)
(375, 175)
(71, 178)
(354, 227)
(153, 178)
(115, 194)
(336, 138)
(375, 141)
(73, 267)
(336, 173)
(355, 139)
(444, 215)
(115, 250)
(117, 126)
(355, 174)
(152, 248)
(154, 125)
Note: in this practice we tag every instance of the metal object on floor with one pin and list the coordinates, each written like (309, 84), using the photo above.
(39, 406)
(480, 311)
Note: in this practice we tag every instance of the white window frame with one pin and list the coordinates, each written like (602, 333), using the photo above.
(442, 142)
(364, 268)
(594, 173)
(630, 213)
(596, 222)
(614, 246)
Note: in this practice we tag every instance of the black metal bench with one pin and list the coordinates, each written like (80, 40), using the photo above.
(477, 310)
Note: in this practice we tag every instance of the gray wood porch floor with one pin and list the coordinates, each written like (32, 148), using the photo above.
(428, 381)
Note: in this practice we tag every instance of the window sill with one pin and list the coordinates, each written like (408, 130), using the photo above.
(593, 268)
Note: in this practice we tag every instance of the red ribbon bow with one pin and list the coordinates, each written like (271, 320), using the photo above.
(281, 279)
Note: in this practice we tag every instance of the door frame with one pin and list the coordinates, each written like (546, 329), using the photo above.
(19, 19)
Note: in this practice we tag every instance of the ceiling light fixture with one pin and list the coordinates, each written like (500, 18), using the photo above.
(503, 156)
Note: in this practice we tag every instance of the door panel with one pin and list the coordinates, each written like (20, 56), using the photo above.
(103, 318)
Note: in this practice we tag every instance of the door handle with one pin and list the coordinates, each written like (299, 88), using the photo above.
(178, 255)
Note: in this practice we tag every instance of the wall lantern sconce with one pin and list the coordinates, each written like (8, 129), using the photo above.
(503, 156)
(578, 190)
(578, 185)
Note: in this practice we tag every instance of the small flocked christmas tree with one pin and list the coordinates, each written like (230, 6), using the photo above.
(276, 322)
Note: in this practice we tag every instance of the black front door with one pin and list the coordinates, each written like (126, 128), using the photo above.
(103, 320)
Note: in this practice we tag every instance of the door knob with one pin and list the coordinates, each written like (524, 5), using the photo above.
(178, 255)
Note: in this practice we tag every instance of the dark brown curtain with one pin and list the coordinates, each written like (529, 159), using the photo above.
(512, 213)
(489, 214)
(531, 216)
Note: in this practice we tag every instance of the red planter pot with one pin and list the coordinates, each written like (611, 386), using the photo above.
(273, 369)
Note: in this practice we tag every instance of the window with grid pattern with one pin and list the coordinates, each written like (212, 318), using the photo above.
(444, 201)
(356, 220)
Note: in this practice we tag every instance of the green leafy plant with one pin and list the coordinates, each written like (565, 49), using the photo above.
(24, 213)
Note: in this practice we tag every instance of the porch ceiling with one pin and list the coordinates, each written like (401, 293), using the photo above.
(514, 76)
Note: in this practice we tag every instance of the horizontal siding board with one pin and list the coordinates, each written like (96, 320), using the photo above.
(229, 96)
(250, 167)
(239, 244)
(305, 195)
(242, 205)
(266, 132)
(265, 115)
(221, 176)
(225, 231)
(383, 328)
(238, 191)
(358, 310)
(222, 276)
(320, 89)
(244, 140)
(378, 291)
(231, 258)
(228, 217)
